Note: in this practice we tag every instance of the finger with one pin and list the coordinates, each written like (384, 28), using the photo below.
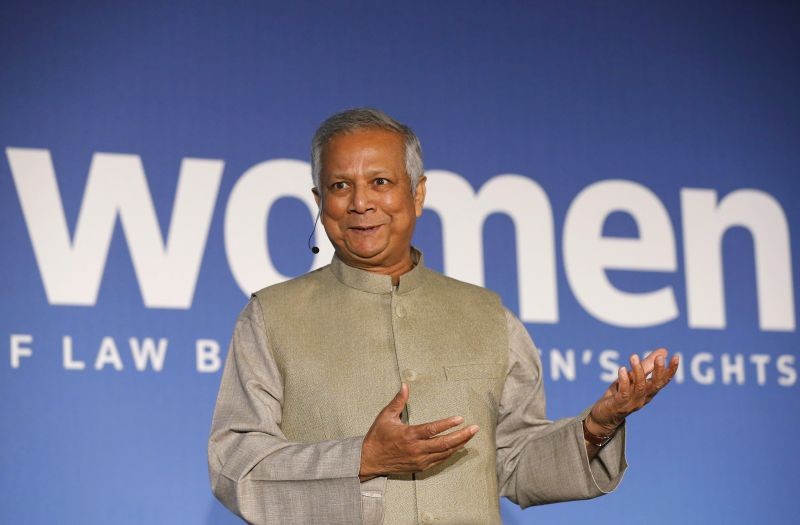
(398, 403)
(658, 380)
(433, 428)
(451, 441)
(427, 461)
(639, 379)
(664, 377)
(673, 366)
(659, 377)
(648, 363)
(448, 442)
(624, 381)
(430, 464)
(670, 372)
(434, 459)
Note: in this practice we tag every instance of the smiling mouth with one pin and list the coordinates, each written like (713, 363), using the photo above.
(364, 230)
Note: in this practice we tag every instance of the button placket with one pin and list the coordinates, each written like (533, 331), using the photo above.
(399, 314)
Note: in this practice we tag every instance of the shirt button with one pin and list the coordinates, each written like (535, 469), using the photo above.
(400, 311)
(409, 374)
(427, 518)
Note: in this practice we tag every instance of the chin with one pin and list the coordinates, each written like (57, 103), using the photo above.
(365, 254)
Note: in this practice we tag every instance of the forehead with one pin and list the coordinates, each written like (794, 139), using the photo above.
(348, 150)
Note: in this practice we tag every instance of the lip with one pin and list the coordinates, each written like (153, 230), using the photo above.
(364, 230)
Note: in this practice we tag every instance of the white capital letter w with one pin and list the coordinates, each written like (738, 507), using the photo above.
(72, 269)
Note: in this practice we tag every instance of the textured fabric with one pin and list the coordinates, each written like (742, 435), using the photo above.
(360, 339)
(271, 466)
(540, 461)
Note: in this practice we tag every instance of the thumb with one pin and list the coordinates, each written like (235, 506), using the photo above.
(398, 403)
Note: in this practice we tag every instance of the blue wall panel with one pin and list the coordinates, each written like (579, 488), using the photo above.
(668, 97)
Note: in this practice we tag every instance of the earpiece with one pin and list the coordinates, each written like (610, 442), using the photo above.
(315, 249)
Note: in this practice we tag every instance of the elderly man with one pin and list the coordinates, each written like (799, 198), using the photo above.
(302, 432)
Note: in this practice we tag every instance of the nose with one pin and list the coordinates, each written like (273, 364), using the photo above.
(362, 200)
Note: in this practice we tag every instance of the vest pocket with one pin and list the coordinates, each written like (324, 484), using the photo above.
(462, 489)
(473, 371)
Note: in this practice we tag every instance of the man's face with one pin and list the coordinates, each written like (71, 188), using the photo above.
(368, 208)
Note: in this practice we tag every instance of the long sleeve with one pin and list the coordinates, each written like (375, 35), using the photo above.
(540, 461)
(254, 470)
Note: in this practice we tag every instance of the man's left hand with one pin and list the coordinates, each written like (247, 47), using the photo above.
(631, 391)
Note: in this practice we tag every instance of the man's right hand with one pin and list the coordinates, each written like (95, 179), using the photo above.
(392, 447)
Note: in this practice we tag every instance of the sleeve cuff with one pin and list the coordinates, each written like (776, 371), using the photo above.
(608, 466)
(555, 466)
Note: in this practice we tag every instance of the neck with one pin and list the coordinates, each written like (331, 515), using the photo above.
(406, 267)
(395, 270)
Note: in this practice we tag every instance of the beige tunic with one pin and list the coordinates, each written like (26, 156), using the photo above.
(313, 360)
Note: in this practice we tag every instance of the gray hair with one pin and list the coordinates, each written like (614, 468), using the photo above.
(356, 119)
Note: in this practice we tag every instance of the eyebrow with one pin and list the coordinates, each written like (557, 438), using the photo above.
(370, 173)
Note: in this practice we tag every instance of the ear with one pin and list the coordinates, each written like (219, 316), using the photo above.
(419, 195)
(317, 198)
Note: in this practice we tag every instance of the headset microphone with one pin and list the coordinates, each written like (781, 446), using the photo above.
(314, 249)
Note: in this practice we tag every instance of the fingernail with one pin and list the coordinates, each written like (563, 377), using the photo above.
(457, 420)
(635, 359)
(660, 360)
(474, 429)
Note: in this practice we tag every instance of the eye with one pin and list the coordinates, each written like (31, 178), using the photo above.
(380, 181)
(341, 185)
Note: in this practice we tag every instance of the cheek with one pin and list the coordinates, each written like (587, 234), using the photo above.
(400, 206)
(331, 225)
(333, 210)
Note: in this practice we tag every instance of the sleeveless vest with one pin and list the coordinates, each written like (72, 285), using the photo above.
(344, 339)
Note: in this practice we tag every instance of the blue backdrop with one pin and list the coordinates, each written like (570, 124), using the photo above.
(655, 160)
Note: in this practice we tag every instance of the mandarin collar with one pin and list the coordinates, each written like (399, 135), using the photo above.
(372, 282)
